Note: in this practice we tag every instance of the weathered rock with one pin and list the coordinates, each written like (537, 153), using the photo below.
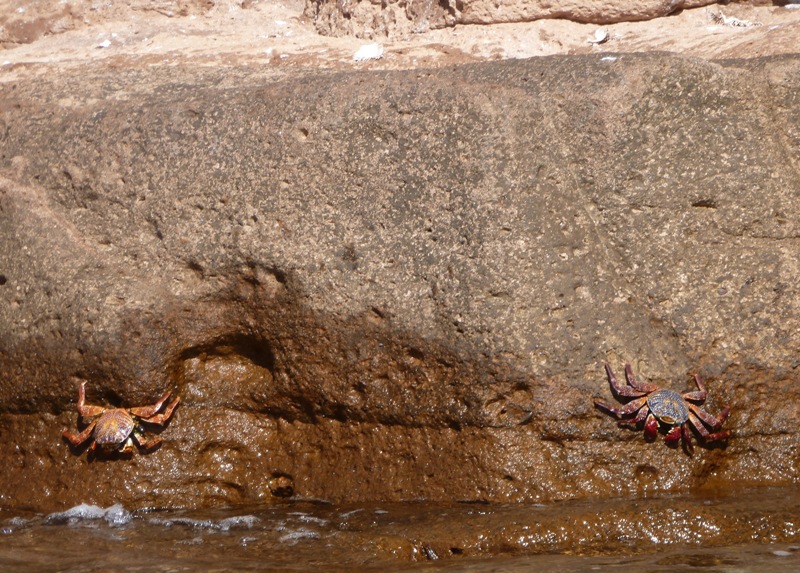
(398, 285)
(371, 18)
(25, 22)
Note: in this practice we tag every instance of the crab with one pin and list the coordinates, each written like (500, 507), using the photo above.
(666, 410)
(116, 429)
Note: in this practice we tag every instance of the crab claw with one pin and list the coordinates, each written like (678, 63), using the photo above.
(650, 427)
(673, 436)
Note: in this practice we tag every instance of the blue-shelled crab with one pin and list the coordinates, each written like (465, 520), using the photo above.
(665, 409)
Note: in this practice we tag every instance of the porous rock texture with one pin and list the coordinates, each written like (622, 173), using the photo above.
(398, 285)
(393, 18)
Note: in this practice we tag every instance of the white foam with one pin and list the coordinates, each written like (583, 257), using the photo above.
(312, 519)
(14, 524)
(115, 515)
(296, 535)
(185, 521)
(237, 522)
(350, 513)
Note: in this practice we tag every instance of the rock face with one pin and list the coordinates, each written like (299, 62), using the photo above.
(22, 23)
(398, 285)
(371, 18)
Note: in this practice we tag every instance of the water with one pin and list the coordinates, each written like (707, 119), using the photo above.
(747, 531)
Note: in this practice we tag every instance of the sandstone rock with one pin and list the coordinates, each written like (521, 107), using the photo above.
(370, 18)
(25, 22)
(398, 285)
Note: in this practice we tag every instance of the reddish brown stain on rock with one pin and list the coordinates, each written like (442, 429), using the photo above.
(414, 299)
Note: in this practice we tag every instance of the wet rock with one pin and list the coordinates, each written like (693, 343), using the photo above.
(396, 18)
(398, 285)
(281, 486)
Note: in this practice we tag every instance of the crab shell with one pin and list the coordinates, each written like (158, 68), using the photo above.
(113, 429)
(668, 407)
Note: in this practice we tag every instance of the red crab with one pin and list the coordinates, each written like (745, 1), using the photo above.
(116, 429)
(666, 409)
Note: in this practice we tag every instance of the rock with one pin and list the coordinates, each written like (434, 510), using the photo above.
(397, 285)
(395, 18)
(26, 22)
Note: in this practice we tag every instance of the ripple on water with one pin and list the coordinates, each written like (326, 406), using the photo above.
(749, 532)
(226, 524)
(295, 535)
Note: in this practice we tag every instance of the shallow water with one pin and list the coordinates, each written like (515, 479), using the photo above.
(748, 531)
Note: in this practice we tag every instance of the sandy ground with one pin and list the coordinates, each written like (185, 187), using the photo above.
(277, 34)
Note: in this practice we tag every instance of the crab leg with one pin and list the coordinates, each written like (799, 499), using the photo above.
(714, 422)
(617, 387)
(149, 411)
(159, 418)
(77, 440)
(687, 438)
(701, 429)
(701, 394)
(87, 411)
(640, 386)
(640, 417)
(626, 410)
(144, 442)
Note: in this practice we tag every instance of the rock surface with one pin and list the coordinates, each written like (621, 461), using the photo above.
(277, 38)
(398, 285)
(369, 18)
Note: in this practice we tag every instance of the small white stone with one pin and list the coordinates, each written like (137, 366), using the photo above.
(600, 36)
(368, 52)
